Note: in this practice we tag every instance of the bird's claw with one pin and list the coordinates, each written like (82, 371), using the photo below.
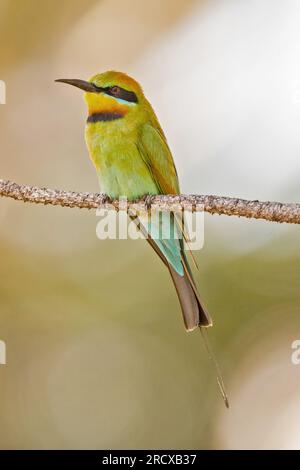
(148, 201)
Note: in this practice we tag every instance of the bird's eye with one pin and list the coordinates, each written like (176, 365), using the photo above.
(115, 90)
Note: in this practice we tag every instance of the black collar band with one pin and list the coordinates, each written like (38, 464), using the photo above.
(105, 116)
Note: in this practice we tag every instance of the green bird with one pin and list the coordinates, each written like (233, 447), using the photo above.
(132, 158)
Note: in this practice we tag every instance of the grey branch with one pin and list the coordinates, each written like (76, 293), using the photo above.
(271, 211)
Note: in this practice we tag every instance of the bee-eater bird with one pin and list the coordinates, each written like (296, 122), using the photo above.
(132, 158)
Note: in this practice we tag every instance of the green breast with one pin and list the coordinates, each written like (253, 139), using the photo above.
(120, 167)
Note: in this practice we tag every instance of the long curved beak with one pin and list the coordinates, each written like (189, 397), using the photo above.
(82, 84)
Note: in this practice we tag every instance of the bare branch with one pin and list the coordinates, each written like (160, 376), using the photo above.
(271, 211)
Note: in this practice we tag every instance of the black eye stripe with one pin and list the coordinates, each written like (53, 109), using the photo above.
(121, 93)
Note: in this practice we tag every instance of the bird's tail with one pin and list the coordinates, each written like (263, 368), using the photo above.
(216, 366)
(193, 310)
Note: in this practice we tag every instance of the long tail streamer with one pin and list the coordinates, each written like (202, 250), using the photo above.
(215, 364)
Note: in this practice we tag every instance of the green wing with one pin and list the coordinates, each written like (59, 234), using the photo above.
(156, 154)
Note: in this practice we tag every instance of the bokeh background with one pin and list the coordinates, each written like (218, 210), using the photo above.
(97, 356)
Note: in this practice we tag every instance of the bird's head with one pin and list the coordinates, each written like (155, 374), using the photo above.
(109, 95)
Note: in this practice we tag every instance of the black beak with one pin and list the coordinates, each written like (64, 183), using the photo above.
(82, 84)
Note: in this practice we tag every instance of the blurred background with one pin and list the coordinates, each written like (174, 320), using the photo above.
(97, 356)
